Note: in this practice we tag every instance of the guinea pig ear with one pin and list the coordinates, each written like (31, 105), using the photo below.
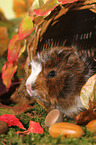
(72, 58)
(76, 62)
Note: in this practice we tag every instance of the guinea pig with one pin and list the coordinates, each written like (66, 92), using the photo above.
(56, 78)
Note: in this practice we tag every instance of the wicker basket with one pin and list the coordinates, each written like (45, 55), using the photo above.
(75, 23)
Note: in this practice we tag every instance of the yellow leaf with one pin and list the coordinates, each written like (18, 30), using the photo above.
(88, 92)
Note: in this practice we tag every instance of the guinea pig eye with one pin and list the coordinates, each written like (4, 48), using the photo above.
(52, 74)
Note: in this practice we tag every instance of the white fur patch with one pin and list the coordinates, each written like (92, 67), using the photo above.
(36, 69)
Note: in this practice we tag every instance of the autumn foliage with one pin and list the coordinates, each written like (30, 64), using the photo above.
(12, 120)
(39, 9)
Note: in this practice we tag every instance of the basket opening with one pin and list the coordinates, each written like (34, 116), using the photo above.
(76, 27)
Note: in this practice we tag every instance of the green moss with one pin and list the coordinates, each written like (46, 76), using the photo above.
(6, 111)
(38, 114)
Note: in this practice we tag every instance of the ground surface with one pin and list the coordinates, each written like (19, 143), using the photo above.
(38, 114)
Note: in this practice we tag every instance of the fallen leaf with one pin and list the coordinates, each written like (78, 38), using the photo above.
(11, 120)
(22, 108)
(88, 92)
(34, 127)
(17, 109)
(90, 114)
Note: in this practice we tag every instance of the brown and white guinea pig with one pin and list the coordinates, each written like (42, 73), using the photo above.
(57, 76)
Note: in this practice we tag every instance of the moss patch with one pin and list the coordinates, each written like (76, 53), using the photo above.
(38, 114)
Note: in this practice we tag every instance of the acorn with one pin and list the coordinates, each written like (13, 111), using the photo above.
(3, 127)
(91, 126)
(65, 129)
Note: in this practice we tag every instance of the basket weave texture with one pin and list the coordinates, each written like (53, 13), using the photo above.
(54, 18)
(75, 22)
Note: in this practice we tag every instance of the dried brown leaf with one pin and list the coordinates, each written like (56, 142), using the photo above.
(90, 114)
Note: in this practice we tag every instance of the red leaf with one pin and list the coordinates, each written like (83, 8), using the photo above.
(8, 71)
(13, 49)
(44, 9)
(66, 1)
(11, 120)
(10, 67)
(26, 27)
(34, 127)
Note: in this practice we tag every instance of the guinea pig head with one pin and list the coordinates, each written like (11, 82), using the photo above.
(56, 79)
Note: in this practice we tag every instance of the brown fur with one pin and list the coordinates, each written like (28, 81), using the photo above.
(62, 89)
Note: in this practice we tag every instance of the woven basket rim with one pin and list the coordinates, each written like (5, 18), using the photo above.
(53, 18)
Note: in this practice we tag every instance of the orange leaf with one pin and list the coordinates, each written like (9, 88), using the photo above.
(8, 71)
